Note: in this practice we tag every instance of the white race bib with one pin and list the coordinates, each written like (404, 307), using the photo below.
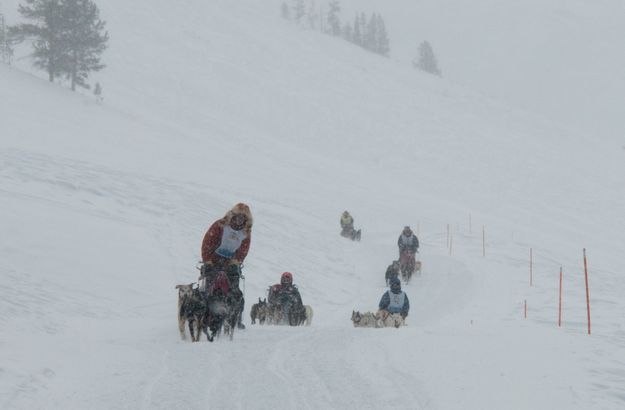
(397, 301)
(230, 242)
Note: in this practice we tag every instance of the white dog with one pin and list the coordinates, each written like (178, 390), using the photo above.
(386, 319)
(366, 319)
(309, 314)
(185, 296)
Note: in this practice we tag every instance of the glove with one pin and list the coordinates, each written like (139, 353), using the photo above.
(207, 268)
(403, 315)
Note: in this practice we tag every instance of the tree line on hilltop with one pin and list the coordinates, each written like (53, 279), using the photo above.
(367, 32)
(68, 37)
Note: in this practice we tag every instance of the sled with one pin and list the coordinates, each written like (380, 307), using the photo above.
(407, 265)
(353, 234)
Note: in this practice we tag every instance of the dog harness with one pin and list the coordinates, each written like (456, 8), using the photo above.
(230, 242)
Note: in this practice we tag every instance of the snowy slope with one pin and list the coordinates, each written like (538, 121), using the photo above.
(562, 59)
(104, 207)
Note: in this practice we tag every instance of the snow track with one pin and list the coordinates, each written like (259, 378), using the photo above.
(124, 308)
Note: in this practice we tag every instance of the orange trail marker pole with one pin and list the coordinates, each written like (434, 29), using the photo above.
(531, 267)
(451, 242)
(560, 301)
(525, 309)
(587, 291)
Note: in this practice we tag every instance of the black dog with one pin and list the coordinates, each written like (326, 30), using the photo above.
(259, 311)
(298, 315)
(191, 309)
(222, 314)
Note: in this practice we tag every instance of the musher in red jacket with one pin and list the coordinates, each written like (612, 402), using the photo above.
(225, 246)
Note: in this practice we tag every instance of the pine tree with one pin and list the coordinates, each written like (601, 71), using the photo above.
(357, 36)
(6, 51)
(85, 40)
(348, 33)
(97, 91)
(286, 13)
(371, 33)
(313, 17)
(68, 37)
(47, 31)
(334, 22)
(427, 60)
(363, 29)
(299, 10)
(382, 42)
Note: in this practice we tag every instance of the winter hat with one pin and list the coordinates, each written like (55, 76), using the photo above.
(239, 210)
(287, 277)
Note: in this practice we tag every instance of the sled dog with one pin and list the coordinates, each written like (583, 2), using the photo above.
(259, 311)
(309, 314)
(366, 319)
(386, 319)
(190, 309)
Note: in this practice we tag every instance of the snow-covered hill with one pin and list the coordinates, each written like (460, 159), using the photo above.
(104, 207)
(561, 59)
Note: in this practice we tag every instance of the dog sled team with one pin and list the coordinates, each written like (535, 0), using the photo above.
(406, 264)
(393, 309)
(217, 303)
(283, 306)
(347, 227)
(394, 304)
(214, 305)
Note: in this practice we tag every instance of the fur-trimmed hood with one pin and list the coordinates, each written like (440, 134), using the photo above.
(240, 208)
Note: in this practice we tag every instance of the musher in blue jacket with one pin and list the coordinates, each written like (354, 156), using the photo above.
(395, 300)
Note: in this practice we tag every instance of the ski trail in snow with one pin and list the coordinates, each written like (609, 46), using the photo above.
(146, 402)
(276, 366)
